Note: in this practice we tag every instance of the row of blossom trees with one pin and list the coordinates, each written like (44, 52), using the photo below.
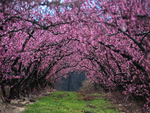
(109, 40)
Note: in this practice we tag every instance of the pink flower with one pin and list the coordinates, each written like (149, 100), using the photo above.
(133, 17)
(16, 77)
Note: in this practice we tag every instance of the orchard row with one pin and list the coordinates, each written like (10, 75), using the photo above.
(108, 40)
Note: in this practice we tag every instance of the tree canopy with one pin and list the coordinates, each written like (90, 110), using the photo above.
(41, 41)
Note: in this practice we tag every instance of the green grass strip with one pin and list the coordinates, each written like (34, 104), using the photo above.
(70, 102)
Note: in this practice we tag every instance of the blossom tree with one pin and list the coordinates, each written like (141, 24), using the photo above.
(109, 40)
(115, 39)
(118, 46)
(33, 46)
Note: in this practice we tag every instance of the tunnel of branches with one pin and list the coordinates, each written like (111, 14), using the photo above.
(43, 43)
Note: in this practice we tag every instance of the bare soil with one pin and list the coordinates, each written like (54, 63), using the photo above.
(123, 104)
(18, 105)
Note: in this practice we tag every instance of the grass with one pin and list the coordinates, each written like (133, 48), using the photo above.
(71, 102)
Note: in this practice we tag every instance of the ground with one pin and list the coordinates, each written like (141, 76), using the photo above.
(129, 106)
(18, 105)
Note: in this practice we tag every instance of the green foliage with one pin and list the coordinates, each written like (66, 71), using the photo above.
(70, 102)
